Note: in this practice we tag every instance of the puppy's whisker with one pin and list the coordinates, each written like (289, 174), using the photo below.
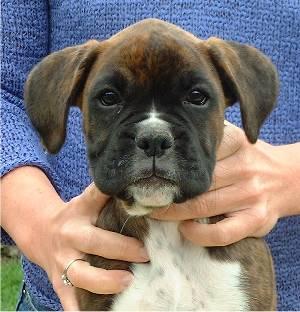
(214, 182)
(125, 224)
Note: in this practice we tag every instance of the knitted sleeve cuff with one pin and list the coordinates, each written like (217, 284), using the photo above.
(20, 144)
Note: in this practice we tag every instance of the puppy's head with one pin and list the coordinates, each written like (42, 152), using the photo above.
(153, 99)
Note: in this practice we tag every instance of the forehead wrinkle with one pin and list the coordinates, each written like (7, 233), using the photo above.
(151, 58)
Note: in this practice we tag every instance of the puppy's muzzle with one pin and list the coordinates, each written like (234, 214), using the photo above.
(154, 136)
(154, 143)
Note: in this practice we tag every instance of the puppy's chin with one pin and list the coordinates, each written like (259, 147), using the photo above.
(150, 194)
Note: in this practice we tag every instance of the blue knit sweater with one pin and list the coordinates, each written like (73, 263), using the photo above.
(32, 29)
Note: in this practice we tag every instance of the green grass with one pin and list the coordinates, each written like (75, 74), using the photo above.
(11, 277)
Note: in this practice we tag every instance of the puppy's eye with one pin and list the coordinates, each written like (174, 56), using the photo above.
(110, 98)
(197, 97)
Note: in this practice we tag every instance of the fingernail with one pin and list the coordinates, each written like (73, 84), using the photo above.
(144, 254)
(127, 280)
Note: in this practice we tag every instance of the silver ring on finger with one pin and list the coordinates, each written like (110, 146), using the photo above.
(64, 276)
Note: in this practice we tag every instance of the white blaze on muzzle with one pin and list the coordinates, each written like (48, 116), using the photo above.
(152, 194)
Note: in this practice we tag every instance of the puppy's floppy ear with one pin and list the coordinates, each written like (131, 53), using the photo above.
(247, 76)
(53, 86)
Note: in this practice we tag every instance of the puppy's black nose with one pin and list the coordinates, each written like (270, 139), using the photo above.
(154, 144)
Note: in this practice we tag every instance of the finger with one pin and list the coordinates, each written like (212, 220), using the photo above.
(92, 199)
(67, 298)
(222, 233)
(227, 172)
(96, 280)
(233, 140)
(209, 204)
(111, 245)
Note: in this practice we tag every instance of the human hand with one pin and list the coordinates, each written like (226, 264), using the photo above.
(70, 234)
(253, 185)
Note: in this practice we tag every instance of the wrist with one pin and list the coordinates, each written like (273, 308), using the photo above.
(29, 202)
(286, 161)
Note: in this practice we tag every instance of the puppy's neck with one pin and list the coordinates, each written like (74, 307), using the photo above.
(115, 218)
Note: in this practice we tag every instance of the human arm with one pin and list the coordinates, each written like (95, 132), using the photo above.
(253, 186)
(24, 43)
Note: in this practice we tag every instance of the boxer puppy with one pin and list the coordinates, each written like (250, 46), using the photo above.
(153, 98)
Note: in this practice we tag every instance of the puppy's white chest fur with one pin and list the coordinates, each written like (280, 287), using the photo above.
(181, 276)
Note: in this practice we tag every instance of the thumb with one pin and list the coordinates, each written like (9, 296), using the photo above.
(92, 199)
(233, 140)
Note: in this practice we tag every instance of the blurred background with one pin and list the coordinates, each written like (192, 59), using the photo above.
(11, 277)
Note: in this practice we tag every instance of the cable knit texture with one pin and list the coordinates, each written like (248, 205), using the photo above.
(32, 29)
